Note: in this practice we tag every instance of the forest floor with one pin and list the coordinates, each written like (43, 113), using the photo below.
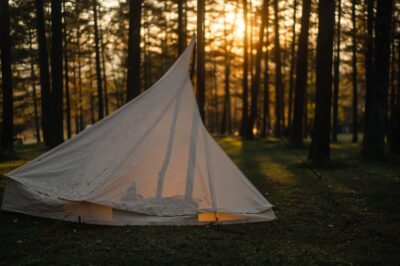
(351, 215)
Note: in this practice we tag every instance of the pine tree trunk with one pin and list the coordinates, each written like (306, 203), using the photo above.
(7, 132)
(100, 100)
(133, 79)
(255, 84)
(278, 75)
(181, 41)
(200, 78)
(297, 130)
(320, 149)
(292, 64)
(266, 115)
(66, 74)
(103, 65)
(57, 128)
(354, 73)
(245, 81)
(395, 143)
(375, 122)
(335, 104)
(34, 94)
(44, 72)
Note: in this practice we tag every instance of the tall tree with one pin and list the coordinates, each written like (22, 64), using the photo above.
(44, 71)
(57, 129)
(320, 149)
(7, 133)
(255, 84)
(376, 114)
(266, 114)
(245, 105)
(200, 77)
(278, 75)
(336, 70)
(133, 79)
(292, 64)
(100, 100)
(296, 133)
(34, 94)
(66, 74)
(181, 31)
(354, 73)
(395, 143)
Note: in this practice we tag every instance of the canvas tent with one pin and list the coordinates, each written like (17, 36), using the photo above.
(150, 162)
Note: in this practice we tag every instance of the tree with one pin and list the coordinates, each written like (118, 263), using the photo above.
(266, 115)
(278, 75)
(44, 72)
(133, 79)
(320, 149)
(376, 114)
(245, 80)
(100, 100)
(354, 73)
(7, 133)
(56, 104)
(336, 65)
(255, 84)
(200, 78)
(181, 30)
(395, 143)
(296, 132)
(66, 73)
(292, 64)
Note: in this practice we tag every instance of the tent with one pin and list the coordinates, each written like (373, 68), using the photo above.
(150, 162)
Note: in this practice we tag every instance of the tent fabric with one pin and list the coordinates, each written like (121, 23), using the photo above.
(150, 162)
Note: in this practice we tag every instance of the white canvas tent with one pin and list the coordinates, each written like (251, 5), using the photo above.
(150, 162)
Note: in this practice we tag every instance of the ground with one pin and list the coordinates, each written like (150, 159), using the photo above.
(347, 213)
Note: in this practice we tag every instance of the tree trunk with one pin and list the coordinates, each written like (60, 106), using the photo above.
(44, 71)
(335, 104)
(266, 115)
(278, 75)
(103, 64)
(57, 128)
(7, 136)
(66, 73)
(297, 130)
(34, 94)
(292, 64)
(100, 101)
(181, 37)
(375, 122)
(322, 118)
(255, 84)
(354, 73)
(200, 78)
(245, 81)
(133, 79)
(395, 143)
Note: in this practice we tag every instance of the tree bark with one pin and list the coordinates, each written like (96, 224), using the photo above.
(200, 78)
(320, 149)
(57, 128)
(292, 64)
(296, 132)
(103, 65)
(335, 104)
(44, 71)
(245, 80)
(133, 79)
(375, 122)
(66, 73)
(7, 133)
(34, 94)
(100, 100)
(395, 143)
(354, 73)
(255, 84)
(266, 114)
(278, 75)
(181, 34)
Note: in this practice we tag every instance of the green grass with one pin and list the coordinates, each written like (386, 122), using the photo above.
(349, 216)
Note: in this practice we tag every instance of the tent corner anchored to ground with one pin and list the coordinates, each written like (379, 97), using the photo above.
(152, 162)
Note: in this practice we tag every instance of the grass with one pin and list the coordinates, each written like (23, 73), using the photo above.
(349, 216)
